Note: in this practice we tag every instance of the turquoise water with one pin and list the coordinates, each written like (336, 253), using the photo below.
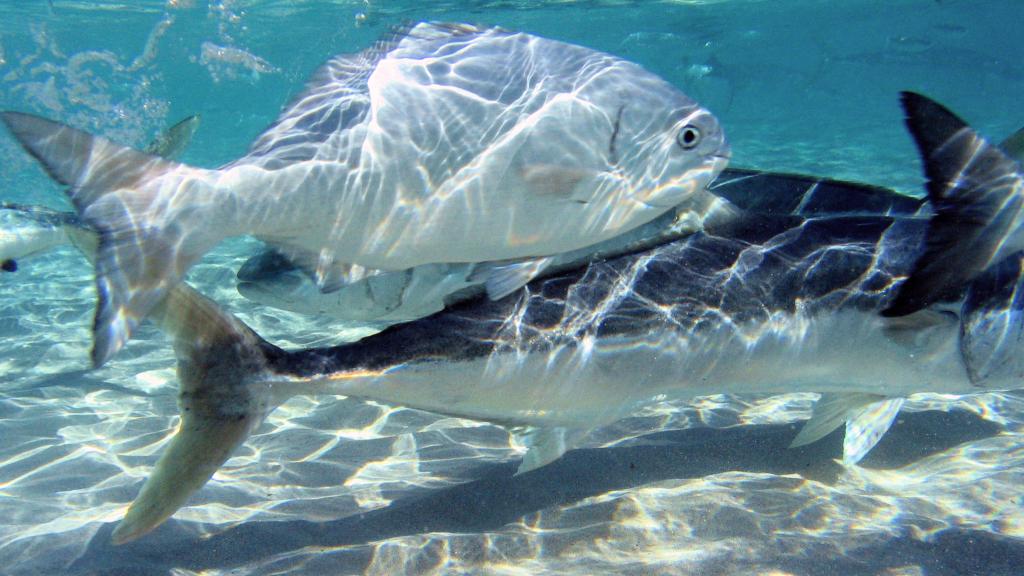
(330, 485)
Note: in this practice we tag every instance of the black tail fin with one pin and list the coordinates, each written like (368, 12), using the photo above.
(976, 193)
(222, 370)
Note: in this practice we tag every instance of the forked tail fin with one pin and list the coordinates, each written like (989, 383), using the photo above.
(224, 396)
(144, 248)
(977, 193)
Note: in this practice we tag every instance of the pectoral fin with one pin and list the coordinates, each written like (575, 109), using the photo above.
(500, 280)
(921, 331)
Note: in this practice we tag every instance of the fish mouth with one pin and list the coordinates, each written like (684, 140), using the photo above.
(708, 172)
(720, 158)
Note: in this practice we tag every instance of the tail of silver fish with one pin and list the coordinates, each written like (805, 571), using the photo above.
(977, 192)
(222, 400)
(143, 248)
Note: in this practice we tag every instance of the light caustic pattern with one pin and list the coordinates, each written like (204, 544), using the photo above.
(425, 140)
(701, 487)
(78, 445)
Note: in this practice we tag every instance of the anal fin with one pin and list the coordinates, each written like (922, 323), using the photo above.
(867, 417)
(830, 412)
(545, 445)
(867, 426)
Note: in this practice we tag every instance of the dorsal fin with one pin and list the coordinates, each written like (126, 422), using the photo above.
(336, 96)
(975, 191)
(172, 142)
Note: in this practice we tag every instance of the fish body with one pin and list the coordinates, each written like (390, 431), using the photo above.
(445, 143)
(782, 307)
(782, 303)
(795, 311)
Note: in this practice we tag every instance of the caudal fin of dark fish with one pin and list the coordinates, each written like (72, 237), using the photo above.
(136, 262)
(217, 358)
(221, 401)
(975, 190)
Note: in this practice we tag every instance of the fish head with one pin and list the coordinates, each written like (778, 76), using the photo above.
(624, 145)
(628, 143)
(689, 156)
(668, 147)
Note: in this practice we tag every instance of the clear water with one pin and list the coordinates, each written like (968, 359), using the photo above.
(334, 486)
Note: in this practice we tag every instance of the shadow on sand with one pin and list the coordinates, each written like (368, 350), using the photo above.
(498, 498)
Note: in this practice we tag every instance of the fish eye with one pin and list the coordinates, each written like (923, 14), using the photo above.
(688, 137)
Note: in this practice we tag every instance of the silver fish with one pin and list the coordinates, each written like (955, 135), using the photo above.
(445, 143)
(782, 304)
